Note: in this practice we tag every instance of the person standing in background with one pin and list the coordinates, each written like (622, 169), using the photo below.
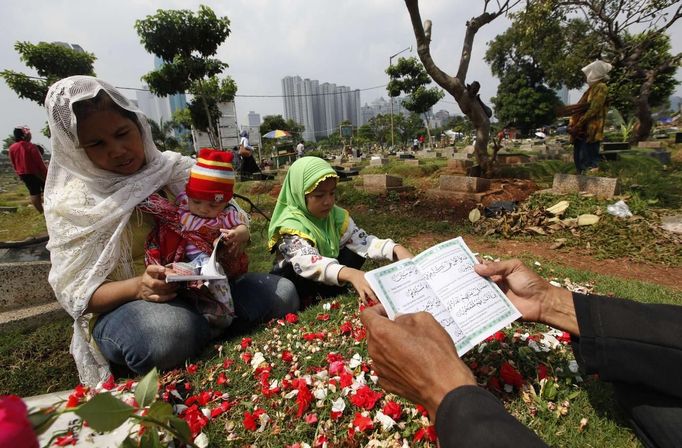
(586, 125)
(300, 150)
(28, 163)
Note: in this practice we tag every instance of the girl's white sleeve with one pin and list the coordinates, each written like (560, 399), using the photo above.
(307, 261)
(365, 245)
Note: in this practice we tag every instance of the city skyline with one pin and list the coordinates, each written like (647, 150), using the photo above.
(348, 43)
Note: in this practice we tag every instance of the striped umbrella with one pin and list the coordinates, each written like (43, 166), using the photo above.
(277, 133)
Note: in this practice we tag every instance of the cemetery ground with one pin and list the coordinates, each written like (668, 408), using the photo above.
(251, 385)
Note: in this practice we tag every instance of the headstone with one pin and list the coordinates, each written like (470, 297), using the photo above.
(614, 146)
(378, 161)
(426, 155)
(460, 156)
(601, 187)
(414, 162)
(381, 182)
(338, 160)
(650, 144)
(512, 159)
(469, 149)
(662, 156)
(672, 223)
(459, 166)
(526, 147)
(464, 184)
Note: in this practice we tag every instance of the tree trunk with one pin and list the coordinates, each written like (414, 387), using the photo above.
(428, 130)
(643, 109)
(212, 134)
(465, 95)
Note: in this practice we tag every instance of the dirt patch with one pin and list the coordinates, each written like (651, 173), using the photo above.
(619, 268)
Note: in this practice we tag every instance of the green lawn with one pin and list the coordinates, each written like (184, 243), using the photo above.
(565, 410)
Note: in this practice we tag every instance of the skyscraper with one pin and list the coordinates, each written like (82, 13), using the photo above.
(320, 108)
(254, 119)
(177, 101)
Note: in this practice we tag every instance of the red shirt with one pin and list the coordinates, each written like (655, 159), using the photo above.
(26, 159)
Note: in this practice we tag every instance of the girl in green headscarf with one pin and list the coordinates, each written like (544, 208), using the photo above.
(317, 244)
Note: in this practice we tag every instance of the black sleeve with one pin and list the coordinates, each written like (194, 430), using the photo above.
(630, 342)
(470, 416)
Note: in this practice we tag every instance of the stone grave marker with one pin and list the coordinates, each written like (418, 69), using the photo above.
(414, 162)
(601, 187)
(381, 183)
(650, 144)
(377, 161)
(460, 166)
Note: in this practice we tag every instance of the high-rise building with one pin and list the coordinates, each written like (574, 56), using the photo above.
(320, 108)
(254, 119)
(177, 101)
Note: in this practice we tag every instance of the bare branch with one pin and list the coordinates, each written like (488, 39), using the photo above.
(424, 51)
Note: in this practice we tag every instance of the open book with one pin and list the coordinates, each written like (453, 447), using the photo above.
(202, 269)
(441, 280)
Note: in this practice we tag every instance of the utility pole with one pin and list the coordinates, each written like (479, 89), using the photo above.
(390, 62)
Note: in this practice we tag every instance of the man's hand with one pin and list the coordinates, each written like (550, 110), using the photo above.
(535, 298)
(152, 286)
(414, 357)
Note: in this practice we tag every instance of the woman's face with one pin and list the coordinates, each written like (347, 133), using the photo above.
(112, 142)
(321, 200)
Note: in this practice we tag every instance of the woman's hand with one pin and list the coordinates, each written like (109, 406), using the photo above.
(357, 279)
(153, 287)
(414, 357)
(400, 253)
(235, 240)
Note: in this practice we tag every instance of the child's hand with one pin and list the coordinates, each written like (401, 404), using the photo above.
(357, 279)
(235, 240)
(400, 253)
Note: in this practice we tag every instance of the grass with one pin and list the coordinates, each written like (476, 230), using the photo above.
(36, 362)
(26, 221)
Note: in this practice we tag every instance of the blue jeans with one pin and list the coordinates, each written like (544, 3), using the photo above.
(141, 335)
(585, 155)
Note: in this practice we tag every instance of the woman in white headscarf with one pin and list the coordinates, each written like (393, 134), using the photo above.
(586, 127)
(104, 163)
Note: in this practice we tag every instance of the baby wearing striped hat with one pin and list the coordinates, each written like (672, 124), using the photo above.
(205, 209)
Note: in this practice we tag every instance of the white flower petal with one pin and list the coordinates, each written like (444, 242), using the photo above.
(201, 440)
(338, 405)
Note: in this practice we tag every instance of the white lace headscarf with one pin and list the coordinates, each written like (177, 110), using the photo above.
(87, 210)
(597, 71)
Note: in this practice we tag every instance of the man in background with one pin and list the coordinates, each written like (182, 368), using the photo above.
(300, 149)
(28, 164)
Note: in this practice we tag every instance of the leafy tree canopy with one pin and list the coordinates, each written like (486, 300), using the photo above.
(187, 41)
(273, 122)
(523, 101)
(408, 76)
(52, 62)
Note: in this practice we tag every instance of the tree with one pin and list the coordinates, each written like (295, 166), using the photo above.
(466, 95)
(409, 76)
(523, 100)
(162, 134)
(273, 122)
(52, 62)
(408, 127)
(632, 38)
(186, 42)
(7, 142)
(381, 127)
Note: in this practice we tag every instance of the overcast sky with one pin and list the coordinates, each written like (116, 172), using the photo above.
(344, 42)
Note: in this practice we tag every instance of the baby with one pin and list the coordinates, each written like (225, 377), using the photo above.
(204, 211)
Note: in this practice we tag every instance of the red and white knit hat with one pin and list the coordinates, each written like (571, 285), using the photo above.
(212, 178)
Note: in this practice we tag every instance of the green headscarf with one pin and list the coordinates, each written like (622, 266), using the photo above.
(291, 214)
